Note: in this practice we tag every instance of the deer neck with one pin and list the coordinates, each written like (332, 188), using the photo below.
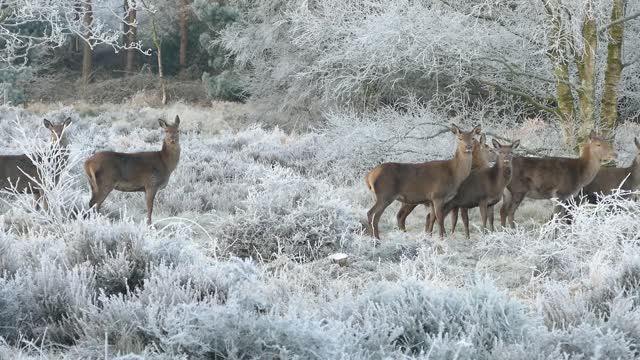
(590, 164)
(461, 166)
(61, 148)
(634, 171)
(170, 154)
(503, 172)
(479, 162)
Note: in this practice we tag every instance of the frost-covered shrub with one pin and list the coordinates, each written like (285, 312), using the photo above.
(45, 301)
(204, 332)
(287, 213)
(590, 342)
(173, 311)
(416, 319)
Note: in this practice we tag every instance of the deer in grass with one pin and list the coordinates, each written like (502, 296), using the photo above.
(553, 177)
(145, 172)
(610, 179)
(481, 155)
(18, 172)
(435, 182)
(483, 188)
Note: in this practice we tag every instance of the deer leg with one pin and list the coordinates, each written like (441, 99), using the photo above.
(491, 217)
(98, 197)
(402, 214)
(516, 200)
(454, 218)
(561, 210)
(374, 214)
(150, 194)
(465, 220)
(505, 207)
(431, 219)
(483, 215)
(438, 206)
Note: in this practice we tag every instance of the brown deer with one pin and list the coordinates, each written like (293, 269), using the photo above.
(483, 188)
(480, 157)
(553, 177)
(434, 181)
(610, 179)
(134, 172)
(18, 172)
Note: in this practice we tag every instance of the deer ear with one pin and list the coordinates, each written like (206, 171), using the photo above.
(483, 139)
(47, 124)
(496, 144)
(592, 135)
(476, 130)
(67, 122)
(515, 144)
(176, 122)
(163, 124)
(635, 140)
(455, 129)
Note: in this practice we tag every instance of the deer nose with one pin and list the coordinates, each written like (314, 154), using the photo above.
(468, 148)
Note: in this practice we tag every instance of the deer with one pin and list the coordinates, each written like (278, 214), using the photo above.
(481, 155)
(610, 179)
(434, 181)
(146, 172)
(484, 188)
(20, 171)
(553, 177)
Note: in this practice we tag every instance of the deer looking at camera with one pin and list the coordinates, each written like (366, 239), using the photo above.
(145, 172)
(484, 187)
(481, 155)
(18, 172)
(553, 177)
(434, 181)
(610, 179)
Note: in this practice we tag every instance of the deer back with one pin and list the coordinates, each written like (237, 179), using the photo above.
(544, 178)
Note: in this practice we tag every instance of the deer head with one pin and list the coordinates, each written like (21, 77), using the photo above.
(171, 132)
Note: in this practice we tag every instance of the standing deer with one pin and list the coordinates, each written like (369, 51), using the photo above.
(483, 188)
(434, 181)
(18, 172)
(553, 177)
(480, 157)
(134, 172)
(609, 179)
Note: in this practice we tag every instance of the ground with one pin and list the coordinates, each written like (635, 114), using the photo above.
(237, 264)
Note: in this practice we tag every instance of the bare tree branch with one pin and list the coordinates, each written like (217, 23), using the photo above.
(628, 18)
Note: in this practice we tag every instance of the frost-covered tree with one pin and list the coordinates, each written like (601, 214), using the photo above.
(221, 79)
(27, 26)
(575, 60)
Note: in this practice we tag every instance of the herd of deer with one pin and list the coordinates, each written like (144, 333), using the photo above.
(447, 186)
(467, 181)
(145, 172)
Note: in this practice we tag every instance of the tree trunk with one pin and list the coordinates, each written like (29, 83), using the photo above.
(564, 96)
(132, 37)
(87, 56)
(612, 73)
(184, 32)
(586, 64)
(125, 32)
(158, 43)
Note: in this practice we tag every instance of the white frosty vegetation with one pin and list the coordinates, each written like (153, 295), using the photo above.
(28, 26)
(237, 265)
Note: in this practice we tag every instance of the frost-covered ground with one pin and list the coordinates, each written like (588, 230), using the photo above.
(236, 266)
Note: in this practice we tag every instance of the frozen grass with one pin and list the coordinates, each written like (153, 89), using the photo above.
(236, 266)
